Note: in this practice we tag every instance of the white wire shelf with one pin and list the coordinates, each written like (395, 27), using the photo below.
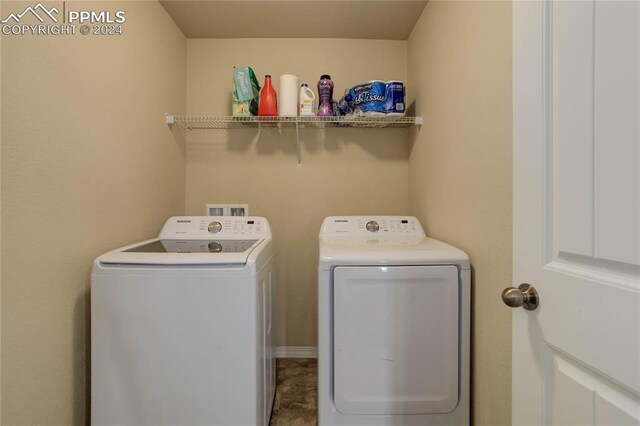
(229, 122)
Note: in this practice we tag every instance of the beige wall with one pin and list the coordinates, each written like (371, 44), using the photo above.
(87, 165)
(460, 169)
(344, 171)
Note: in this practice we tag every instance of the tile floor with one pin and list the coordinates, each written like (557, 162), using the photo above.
(296, 392)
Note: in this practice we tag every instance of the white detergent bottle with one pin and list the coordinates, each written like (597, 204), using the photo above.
(307, 101)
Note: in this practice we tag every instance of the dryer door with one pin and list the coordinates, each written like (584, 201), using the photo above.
(395, 346)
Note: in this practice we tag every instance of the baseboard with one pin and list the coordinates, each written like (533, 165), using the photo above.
(296, 352)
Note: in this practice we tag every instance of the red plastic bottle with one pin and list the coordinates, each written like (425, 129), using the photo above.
(268, 104)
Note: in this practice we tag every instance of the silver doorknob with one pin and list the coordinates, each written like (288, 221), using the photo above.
(525, 295)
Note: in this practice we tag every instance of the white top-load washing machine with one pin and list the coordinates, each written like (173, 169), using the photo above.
(181, 326)
(393, 343)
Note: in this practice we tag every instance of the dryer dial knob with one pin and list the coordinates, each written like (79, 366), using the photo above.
(215, 227)
(372, 226)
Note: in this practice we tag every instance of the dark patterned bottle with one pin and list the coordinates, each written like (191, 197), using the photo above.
(325, 93)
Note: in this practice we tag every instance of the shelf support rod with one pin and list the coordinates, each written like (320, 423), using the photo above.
(298, 148)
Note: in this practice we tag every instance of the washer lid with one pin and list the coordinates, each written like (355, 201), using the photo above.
(183, 252)
(197, 240)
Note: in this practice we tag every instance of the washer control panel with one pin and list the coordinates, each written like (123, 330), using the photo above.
(335, 226)
(222, 227)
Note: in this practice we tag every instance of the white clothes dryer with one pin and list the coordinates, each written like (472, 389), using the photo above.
(181, 326)
(394, 325)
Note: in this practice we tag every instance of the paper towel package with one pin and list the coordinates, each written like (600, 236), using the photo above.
(245, 92)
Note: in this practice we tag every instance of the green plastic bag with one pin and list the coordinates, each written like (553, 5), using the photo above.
(246, 91)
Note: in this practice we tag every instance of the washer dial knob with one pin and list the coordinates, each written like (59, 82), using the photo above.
(372, 226)
(215, 247)
(215, 227)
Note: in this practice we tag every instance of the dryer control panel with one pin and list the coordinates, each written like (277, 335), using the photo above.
(215, 227)
(388, 226)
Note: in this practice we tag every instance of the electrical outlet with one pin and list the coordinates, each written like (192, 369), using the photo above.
(238, 209)
(216, 210)
(227, 210)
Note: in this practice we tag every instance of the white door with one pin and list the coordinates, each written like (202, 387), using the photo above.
(576, 358)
